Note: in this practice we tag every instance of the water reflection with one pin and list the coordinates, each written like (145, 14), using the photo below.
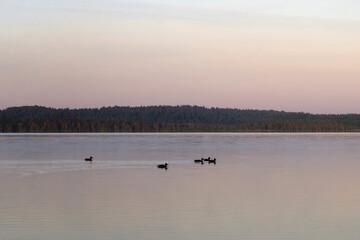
(264, 186)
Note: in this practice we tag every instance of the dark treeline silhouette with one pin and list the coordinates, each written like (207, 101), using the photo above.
(170, 119)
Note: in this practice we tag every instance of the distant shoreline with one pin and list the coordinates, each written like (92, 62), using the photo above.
(159, 133)
(172, 119)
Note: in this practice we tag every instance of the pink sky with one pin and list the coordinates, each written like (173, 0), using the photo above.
(283, 56)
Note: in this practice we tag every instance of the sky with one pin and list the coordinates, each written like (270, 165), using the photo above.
(291, 55)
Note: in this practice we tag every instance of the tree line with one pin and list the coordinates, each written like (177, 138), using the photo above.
(170, 119)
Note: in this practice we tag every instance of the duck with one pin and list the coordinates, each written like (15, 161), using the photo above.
(199, 161)
(207, 159)
(163, 166)
(212, 161)
(89, 159)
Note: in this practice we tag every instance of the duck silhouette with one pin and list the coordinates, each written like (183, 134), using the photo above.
(199, 161)
(207, 159)
(212, 161)
(89, 159)
(165, 166)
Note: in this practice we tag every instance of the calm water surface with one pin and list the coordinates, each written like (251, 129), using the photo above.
(264, 186)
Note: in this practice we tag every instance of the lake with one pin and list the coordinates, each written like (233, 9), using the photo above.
(263, 186)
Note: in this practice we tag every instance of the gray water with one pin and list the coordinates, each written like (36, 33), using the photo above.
(264, 186)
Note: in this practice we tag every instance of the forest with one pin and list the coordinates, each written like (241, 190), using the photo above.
(170, 119)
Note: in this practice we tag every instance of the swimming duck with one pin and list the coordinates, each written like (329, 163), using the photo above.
(199, 161)
(212, 161)
(89, 159)
(207, 159)
(162, 166)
